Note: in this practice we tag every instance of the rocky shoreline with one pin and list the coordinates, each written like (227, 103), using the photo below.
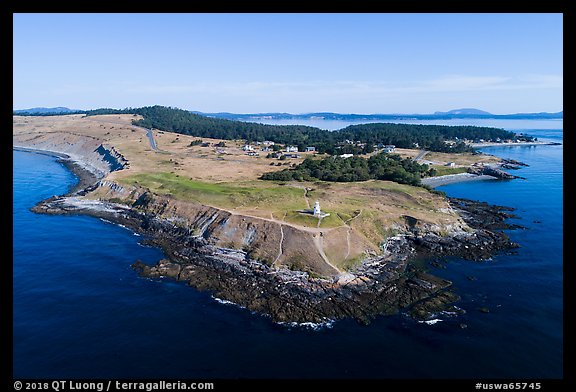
(86, 178)
(478, 173)
(380, 285)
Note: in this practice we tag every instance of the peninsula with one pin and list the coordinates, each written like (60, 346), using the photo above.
(297, 246)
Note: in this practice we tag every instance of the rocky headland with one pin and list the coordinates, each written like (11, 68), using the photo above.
(381, 284)
(273, 267)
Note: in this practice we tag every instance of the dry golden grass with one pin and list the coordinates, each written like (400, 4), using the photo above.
(442, 158)
(176, 156)
(362, 215)
(461, 159)
(406, 152)
(230, 180)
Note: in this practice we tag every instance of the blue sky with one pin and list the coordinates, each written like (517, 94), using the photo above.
(297, 63)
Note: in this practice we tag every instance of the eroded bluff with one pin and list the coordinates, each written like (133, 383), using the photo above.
(283, 271)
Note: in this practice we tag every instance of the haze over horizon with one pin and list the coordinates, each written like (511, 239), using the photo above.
(461, 111)
(294, 63)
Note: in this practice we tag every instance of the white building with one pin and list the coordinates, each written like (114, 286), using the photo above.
(317, 211)
(291, 149)
(248, 147)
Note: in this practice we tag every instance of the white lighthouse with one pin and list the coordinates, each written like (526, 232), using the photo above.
(317, 208)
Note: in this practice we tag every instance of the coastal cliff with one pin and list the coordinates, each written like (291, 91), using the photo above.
(249, 243)
(90, 153)
(269, 241)
(216, 251)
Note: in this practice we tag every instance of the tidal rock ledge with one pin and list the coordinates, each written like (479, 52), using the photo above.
(379, 285)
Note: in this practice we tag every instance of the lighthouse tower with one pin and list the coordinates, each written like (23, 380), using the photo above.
(317, 208)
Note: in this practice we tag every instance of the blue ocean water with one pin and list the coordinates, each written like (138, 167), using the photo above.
(509, 124)
(81, 312)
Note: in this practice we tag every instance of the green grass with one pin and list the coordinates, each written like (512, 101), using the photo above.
(311, 221)
(225, 195)
(445, 170)
(301, 219)
(344, 216)
(349, 264)
(283, 200)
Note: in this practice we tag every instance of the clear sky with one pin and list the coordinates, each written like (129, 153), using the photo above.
(296, 63)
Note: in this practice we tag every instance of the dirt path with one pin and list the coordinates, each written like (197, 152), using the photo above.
(319, 243)
(347, 244)
(306, 197)
(280, 252)
(354, 217)
(296, 226)
(349, 229)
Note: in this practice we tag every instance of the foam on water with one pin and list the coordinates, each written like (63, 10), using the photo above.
(73, 282)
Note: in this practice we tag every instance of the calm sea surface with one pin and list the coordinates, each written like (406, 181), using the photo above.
(80, 311)
(511, 124)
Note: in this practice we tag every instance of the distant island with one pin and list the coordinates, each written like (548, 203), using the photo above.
(451, 114)
(464, 112)
(47, 111)
(296, 222)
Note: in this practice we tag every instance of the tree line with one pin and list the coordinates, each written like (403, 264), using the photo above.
(356, 139)
(382, 166)
(346, 140)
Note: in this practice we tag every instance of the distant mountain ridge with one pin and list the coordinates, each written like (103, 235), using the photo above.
(456, 113)
(432, 137)
(451, 114)
(466, 111)
(43, 110)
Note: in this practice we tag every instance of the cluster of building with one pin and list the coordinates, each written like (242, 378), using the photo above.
(379, 146)
(385, 147)
(268, 146)
(292, 151)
